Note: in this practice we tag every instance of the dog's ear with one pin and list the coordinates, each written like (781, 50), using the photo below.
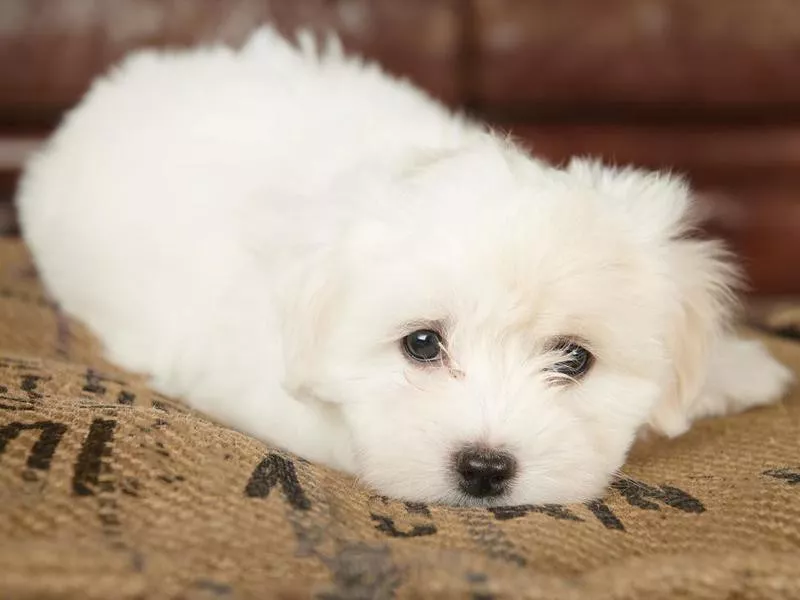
(307, 304)
(312, 300)
(701, 310)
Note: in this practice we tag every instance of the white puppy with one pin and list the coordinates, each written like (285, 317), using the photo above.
(322, 256)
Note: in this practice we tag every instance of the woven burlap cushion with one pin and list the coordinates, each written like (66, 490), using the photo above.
(109, 490)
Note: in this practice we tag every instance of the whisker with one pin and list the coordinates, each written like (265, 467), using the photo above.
(620, 474)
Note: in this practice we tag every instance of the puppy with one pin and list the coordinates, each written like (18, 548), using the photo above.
(322, 256)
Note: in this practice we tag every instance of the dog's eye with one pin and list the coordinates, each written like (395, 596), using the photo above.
(423, 345)
(576, 362)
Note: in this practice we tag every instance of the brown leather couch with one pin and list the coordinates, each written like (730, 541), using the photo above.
(706, 87)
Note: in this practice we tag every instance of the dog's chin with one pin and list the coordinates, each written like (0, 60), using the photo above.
(519, 497)
(446, 492)
(459, 499)
(456, 498)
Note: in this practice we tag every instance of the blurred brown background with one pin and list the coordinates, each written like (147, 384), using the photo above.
(710, 88)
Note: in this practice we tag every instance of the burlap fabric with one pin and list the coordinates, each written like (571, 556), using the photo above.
(108, 490)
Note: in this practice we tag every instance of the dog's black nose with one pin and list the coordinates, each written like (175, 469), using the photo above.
(484, 473)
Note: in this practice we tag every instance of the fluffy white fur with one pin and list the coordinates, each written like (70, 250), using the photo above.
(258, 228)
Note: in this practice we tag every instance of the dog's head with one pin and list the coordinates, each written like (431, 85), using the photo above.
(495, 330)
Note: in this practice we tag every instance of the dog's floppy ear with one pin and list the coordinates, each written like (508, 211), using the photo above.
(307, 305)
(311, 302)
(701, 312)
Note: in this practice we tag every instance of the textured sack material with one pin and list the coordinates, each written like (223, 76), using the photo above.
(109, 490)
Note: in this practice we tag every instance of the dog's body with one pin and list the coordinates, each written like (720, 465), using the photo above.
(263, 231)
